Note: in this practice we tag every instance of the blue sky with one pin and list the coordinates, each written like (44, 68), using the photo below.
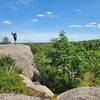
(41, 20)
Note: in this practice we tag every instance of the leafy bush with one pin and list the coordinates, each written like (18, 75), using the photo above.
(64, 65)
(9, 78)
(52, 77)
(10, 83)
(7, 64)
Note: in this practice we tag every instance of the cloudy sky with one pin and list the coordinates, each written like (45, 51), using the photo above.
(41, 20)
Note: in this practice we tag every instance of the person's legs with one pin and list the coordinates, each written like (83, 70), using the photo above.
(14, 40)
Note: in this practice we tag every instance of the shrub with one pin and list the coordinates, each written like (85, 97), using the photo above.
(9, 78)
(10, 83)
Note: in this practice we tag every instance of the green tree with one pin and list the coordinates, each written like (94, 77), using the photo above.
(59, 52)
(65, 55)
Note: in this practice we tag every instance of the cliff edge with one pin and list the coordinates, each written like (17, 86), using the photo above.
(23, 56)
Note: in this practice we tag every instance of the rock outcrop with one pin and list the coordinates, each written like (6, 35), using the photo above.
(83, 93)
(17, 97)
(23, 56)
(24, 60)
(36, 87)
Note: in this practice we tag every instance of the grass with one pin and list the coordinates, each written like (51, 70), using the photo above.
(10, 81)
(9, 76)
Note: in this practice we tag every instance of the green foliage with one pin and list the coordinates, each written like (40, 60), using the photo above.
(59, 51)
(7, 64)
(64, 65)
(10, 83)
(50, 74)
(66, 55)
(88, 79)
(9, 78)
(37, 47)
(90, 44)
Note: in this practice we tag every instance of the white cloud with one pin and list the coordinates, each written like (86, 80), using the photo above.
(7, 22)
(93, 25)
(46, 14)
(83, 36)
(75, 26)
(40, 15)
(88, 25)
(14, 4)
(25, 2)
(49, 13)
(35, 20)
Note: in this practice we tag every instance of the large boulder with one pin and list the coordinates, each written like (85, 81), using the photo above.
(83, 93)
(17, 97)
(24, 60)
(36, 86)
(23, 56)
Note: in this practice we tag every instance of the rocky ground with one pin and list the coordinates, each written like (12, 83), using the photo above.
(83, 93)
(17, 97)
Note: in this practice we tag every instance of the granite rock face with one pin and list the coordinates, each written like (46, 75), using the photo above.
(24, 60)
(83, 93)
(23, 56)
(36, 87)
(17, 97)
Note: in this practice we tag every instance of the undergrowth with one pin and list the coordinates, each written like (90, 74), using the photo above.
(10, 81)
(9, 78)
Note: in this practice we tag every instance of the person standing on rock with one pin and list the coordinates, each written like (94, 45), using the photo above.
(15, 37)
